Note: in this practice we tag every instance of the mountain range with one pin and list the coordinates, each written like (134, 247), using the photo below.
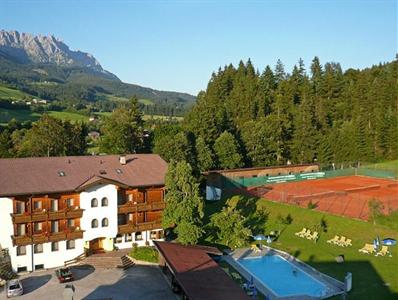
(44, 66)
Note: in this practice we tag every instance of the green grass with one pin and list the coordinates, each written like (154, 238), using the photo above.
(373, 277)
(145, 254)
(146, 101)
(69, 116)
(22, 115)
(7, 93)
(391, 165)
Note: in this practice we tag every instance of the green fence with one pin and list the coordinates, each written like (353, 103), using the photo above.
(244, 182)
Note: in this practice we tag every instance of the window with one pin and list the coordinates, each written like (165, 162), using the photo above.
(37, 205)
(54, 204)
(21, 229)
(94, 223)
(138, 236)
(54, 246)
(38, 248)
(69, 202)
(71, 222)
(22, 269)
(118, 238)
(70, 244)
(105, 222)
(37, 227)
(54, 226)
(39, 267)
(94, 202)
(20, 207)
(154, 235)
(104, 201)
(21, 250)
(128, 237)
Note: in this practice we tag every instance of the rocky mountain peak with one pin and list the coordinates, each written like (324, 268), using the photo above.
(26, 47)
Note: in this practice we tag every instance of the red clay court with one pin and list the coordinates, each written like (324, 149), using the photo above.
(347, 195)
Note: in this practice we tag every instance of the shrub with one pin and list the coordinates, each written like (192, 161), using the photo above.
(148, 254)
(311, 205)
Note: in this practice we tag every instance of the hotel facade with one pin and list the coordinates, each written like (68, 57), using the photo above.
(54, 209)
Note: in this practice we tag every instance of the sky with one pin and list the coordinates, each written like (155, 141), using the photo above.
(176, 45)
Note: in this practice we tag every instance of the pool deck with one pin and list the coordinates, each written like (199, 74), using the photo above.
(334, 286)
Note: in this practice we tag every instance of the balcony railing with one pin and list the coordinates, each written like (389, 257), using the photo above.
(57, 236)
(21, 218)
(41, 216)
(54, 215)
(129, 207)
(21, 240)
(39, 238)
(76, 213)
(74, 235)
(130, 227)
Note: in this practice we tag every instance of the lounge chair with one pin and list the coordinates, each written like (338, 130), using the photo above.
(313, 236)
(383, 252)
(255, 248)
(368, 249)
(347, 243)
(333, 240)
(341, 241)
(303, 231)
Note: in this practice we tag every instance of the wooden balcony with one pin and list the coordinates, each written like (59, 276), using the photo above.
(129, 228)
(39, 216)
(74, 235)
(55, 215)
(20, 218)
(76, 213)
(57, 236)
(139, 207)
(158, 205)
(21, 240)
(39, 238)
(126, 228)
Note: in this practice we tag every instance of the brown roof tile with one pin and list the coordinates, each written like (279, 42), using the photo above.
(198, 274)
(38, 175)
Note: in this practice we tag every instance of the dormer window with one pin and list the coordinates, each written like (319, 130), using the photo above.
(119, 171)
(61, 174)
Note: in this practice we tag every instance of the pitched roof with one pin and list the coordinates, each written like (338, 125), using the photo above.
(39, 175)
(198, 274)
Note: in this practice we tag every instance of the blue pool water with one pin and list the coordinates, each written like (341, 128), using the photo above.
(282, 277)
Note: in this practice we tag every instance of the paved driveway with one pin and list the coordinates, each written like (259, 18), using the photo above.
(138, 282)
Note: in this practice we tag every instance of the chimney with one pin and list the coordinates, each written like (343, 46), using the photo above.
(122, 159)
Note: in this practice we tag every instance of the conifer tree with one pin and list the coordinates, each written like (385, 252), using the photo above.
(227, 151)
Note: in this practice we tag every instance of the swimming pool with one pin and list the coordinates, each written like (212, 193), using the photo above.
(282, 277)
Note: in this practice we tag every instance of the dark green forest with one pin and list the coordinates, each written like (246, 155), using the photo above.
(319, 113)
(250, 118)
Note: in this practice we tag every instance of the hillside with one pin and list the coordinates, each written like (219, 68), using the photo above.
(45, 67)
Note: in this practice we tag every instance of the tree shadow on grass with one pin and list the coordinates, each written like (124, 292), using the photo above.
(33, 283)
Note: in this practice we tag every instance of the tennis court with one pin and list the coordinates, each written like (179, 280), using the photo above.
(346, 195)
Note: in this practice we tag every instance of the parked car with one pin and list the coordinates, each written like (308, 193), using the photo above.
(14, 288)
(64, 275)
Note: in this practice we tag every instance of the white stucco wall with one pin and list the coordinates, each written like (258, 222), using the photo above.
(146, 236)
(109, 191)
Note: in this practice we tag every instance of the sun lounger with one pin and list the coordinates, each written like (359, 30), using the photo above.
(305, 234)
(313, 236)
(368, 248)
(303, 231)
(255, 248)
(342, 241)
(347, 243)
(333, 240)
(383, 252)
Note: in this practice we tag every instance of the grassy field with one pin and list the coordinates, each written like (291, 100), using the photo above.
(73, 117)
(373, 277)
(11, 94)
(7, 115)
(145, 254)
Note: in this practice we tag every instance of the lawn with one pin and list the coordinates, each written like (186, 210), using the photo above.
(70, 116)
(373, 277)
(148, 254)
(11, 94)
(7, 115)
